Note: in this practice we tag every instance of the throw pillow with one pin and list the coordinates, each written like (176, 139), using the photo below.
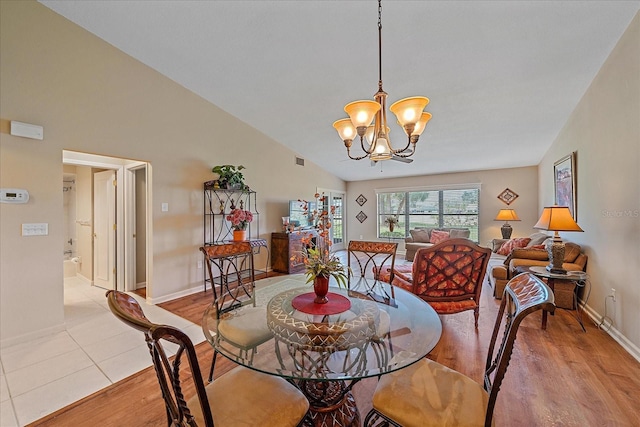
(537, 239)
(459, 233)
(510, 245)
(571, 252)
(420, 235)
(438, 236)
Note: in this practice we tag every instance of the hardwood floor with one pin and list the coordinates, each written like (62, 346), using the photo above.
(558, 377)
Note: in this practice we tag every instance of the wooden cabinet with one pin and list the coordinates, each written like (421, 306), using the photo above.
(285, 246)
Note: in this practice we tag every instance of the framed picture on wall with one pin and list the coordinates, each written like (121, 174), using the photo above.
(564, 183)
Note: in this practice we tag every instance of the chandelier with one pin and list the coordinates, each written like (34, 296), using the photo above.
(368, 119)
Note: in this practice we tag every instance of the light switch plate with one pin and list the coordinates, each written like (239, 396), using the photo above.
(35, 229)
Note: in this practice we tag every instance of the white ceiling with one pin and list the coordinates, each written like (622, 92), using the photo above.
(503, 76)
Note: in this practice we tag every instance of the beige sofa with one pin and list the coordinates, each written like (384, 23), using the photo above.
(503, 268)
(420, 238)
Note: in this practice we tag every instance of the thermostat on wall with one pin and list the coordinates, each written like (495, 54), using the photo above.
(13, 195)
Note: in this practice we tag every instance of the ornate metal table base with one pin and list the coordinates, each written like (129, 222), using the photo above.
(331, 404)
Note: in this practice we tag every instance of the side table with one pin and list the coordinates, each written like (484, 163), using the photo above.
(577, 277)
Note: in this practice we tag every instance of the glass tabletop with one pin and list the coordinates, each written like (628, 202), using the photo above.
(569, 275)
(383, 329)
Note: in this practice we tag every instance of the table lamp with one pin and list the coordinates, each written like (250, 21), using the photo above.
(556, 218)
(506, 215)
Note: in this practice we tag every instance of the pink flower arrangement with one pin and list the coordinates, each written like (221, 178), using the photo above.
(240, 219)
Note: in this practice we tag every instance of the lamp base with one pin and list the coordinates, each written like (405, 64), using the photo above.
(506, 231)
(552, 270)
(555, 250)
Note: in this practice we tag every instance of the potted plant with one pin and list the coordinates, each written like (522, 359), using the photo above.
(240, 220)
(319, 261)
(230, 177)
(391, 221)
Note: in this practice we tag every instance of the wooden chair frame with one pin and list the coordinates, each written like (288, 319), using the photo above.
(234, 287)
(523, 295)
(457, 262)
(127, 309)
(371, 255)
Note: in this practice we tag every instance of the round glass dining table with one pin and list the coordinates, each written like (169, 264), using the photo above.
(368, 330)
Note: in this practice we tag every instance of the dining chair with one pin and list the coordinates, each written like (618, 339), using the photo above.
(430, 394)
(230, 271)
(448, 276)
(371, 257)
(241, 397)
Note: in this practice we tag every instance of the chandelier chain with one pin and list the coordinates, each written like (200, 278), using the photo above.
(379, 44)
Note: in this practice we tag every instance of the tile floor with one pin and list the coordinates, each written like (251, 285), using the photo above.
(96, 350)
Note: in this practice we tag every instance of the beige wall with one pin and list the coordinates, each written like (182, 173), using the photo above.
(523, 181)
(92, 98)
(604, 130)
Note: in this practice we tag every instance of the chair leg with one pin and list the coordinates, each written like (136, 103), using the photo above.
(213, 364)
(476, 314)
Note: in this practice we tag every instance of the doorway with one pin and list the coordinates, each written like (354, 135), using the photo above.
(337, 232)
(130, 226)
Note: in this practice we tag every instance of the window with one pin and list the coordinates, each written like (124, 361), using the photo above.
(428, 208)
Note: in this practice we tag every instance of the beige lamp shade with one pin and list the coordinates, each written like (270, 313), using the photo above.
(361, 113)
(345, 129)
(370, 132)
(420, 126)
(507, 215)
(422, 123)
(381, 150)
(409, 110)
(557, 218)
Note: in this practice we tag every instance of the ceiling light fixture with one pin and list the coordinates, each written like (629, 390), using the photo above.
(409, 113)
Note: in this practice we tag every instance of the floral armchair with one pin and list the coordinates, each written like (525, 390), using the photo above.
(448, 276)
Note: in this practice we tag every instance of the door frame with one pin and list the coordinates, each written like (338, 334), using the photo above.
(343, 194)
(125, 214)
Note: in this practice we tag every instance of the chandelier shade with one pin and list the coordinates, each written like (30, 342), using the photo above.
(362, 112)
(368, 120)
(409, 110)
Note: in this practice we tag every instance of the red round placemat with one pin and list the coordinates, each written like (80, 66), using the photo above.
(337, 304)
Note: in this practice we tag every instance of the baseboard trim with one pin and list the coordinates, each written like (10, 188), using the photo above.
(175, 295)
(614, 333)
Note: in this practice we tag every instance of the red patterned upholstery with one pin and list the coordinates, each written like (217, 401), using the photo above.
(448, 275)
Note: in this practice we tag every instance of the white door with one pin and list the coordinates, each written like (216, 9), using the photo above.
(104, 229)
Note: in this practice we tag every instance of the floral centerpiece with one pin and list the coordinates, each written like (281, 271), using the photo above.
(319, 261)
(240, 220)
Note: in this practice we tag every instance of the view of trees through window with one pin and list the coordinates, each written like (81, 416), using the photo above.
(433, 208)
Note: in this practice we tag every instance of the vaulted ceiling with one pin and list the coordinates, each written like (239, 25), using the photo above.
(503, 76)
